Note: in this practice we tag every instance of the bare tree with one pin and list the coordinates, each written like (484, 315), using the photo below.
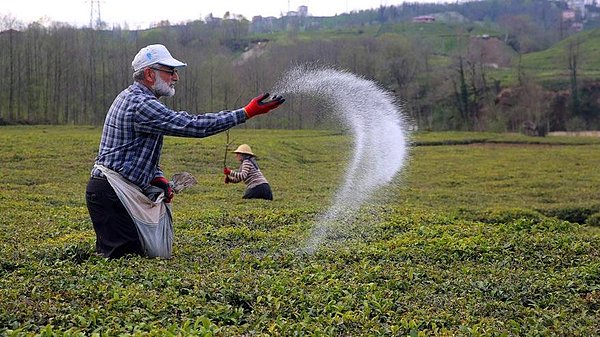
(572, 58)
(9, 27)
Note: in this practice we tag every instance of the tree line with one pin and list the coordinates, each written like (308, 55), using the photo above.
(59, 74)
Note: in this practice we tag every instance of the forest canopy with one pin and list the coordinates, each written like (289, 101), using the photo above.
(487, 65)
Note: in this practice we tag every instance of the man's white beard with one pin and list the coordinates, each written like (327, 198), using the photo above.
(161, 88)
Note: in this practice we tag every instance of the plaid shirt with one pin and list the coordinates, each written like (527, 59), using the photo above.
(133, 132)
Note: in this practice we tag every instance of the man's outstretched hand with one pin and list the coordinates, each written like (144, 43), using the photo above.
(259, 106)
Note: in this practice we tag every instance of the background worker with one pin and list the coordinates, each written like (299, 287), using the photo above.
(132, 140)
(257, 186)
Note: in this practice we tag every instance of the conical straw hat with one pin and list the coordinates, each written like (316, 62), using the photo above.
(245, 149)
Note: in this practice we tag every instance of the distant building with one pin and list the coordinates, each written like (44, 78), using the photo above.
(303, 11)
(210, 19)
(578, 5)
(581, 6)
(423, 18)
(262, 24)
(568, 15)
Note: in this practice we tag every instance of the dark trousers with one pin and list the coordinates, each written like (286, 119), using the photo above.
(116, 234)
(262, 191)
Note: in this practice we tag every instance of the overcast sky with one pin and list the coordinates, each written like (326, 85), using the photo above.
(140, 14)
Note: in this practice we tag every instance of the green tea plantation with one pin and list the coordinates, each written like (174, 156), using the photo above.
(481, 234)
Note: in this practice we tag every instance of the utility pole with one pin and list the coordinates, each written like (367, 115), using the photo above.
(95, 18)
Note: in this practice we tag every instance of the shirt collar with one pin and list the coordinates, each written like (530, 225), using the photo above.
(143, 88)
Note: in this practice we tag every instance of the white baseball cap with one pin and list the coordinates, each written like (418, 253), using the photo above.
(155, 54)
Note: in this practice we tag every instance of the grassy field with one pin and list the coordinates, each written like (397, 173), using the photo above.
(481, 235)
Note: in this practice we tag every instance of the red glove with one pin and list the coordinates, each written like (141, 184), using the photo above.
(257, 106)
(226, 171)
(163, 183)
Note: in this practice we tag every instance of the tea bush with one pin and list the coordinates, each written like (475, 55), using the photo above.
(494, 238)
(594, 220)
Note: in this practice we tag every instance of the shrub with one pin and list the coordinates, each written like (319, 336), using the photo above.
(593, 220)
(577, 214)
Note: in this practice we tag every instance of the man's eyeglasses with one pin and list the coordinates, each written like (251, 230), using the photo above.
(168, 71)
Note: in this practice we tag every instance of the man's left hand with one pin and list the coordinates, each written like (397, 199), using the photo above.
(259, 106)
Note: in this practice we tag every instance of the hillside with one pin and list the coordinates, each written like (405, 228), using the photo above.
(552, 65)
(448, 73)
